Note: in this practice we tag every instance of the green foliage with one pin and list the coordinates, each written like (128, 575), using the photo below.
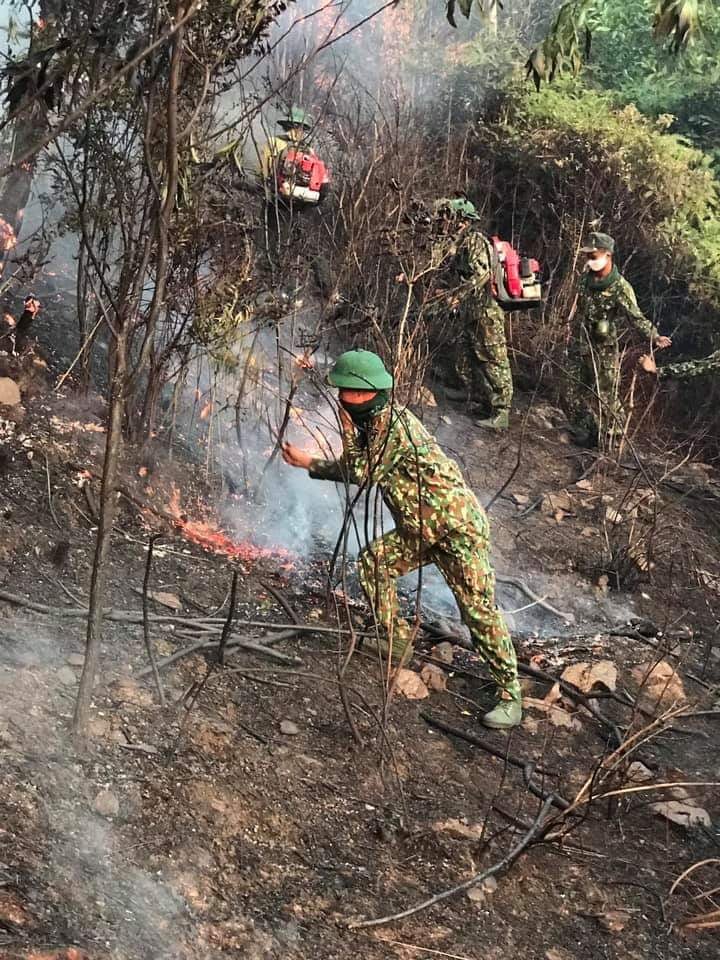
(466, 6)
(568, 43)
(626, 59)
(676, 20)
(670, 183)
(221, 323)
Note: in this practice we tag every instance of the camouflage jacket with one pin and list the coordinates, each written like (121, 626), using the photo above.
(423, 488)
(465, 266)
(615, 306)
(691, 368)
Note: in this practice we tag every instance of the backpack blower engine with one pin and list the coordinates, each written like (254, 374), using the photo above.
(302, 175)
(515, 280)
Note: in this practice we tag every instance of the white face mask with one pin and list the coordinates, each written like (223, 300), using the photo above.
(599, 264)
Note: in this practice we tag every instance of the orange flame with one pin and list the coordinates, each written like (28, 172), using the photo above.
(210, 537)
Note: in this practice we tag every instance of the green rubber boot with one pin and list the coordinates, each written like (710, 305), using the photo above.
(506, 715)
(499, 421)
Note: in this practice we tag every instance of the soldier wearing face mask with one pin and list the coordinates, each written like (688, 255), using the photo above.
(607, 312)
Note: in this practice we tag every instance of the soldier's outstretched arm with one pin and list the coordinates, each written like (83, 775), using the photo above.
(628, 301)
(691, 368)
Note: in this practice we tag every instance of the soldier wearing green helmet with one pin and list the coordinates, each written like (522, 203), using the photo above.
(296, 125)
(463, 256)
(606, 307)
(437, 517)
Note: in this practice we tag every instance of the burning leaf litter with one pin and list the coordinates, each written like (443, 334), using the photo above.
(210, 537)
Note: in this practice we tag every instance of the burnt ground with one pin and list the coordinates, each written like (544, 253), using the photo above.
(212, 829)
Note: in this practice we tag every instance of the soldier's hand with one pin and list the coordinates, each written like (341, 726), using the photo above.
(647, 362)
(295, 456)
(662, 343)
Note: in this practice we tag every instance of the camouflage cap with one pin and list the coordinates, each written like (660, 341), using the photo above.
(598, 241)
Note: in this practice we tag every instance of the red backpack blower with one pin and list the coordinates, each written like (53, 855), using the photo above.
(515, 279)
(301, 175)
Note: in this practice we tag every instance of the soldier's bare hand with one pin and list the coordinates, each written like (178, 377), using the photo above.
(662, 343)
(295, 456)
(647, 362)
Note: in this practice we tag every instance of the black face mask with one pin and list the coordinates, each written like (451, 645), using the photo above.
(361, 413)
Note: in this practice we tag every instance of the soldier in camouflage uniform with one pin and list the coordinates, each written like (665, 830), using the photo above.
(683, 370)
(606, 305)
(438, 519)
(464, 256)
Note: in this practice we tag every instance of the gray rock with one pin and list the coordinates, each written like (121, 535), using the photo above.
(106, 804)
(289, 728)
(67, 676)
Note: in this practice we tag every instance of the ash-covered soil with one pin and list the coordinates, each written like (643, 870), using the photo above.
(243, 819)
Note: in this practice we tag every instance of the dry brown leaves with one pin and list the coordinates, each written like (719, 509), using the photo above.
(683, 812)
(659, 684)
(587, 676)
(551, 706)
(459, 828)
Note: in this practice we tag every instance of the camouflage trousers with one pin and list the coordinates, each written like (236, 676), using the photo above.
(591, 397)
(484, 364)
(462, 557)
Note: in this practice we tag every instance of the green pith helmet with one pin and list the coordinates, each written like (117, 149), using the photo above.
(457, 206)
(360, 370)
(297, 117)
(598, 241)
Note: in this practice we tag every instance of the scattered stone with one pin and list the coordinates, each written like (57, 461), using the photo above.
(67, 676)
(75, 659)
(288, 728)
(553, 502)
(106, 804)
(521, 499)
(9, 392)
(443, 652)
(411, 685)
(481, 891)
(637, 772)
(99, 728)
(433, 677)
(613, 921)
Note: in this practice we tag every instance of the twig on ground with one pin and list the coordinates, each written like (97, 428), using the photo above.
(242, 644)
(503, 864)
(49, 494)
(526, 766)
(577, 695)
(146, 624)
(519, 585)
(282, 600)
(227, 626)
